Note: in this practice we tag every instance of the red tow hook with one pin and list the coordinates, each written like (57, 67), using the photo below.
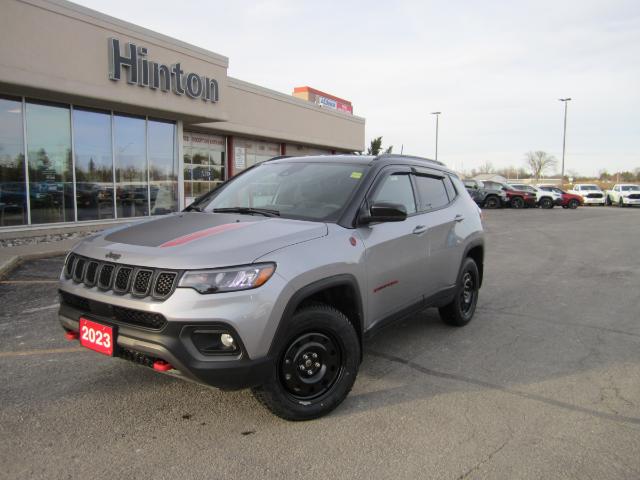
(71, 335)
(162, 366)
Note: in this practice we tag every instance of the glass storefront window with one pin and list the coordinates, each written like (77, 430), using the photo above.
(132, 194)
(13, 196)
(94, 164)
(163, 168)
(50, 165)
(204, 163)
(303, 150)
(249, 152)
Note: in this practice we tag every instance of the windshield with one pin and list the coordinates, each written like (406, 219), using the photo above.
(589, 187)
(630, 188)
(307, 191)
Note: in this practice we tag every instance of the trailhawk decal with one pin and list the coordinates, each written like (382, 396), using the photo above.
(207, 232)
(385, 285)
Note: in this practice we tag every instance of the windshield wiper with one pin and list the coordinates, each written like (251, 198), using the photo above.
(194, 208)
(249, 211)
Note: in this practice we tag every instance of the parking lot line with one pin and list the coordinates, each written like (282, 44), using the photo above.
(49, 351)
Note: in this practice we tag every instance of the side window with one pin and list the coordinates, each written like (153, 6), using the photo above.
(396, 188)
(432, 192)
(451, 188)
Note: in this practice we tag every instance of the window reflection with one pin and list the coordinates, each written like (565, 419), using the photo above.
(94, 164)
(13, 198)
(204, 163)
(163, 167)
(131, 166)
(49, 156)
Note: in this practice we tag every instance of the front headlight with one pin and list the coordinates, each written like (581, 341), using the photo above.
(228, 279)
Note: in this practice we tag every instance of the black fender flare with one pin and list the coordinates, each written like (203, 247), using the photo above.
(308, 290)
(476, 242)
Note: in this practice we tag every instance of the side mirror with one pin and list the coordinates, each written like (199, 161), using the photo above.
(384, 212)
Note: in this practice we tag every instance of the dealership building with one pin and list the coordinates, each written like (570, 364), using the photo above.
(102, 121)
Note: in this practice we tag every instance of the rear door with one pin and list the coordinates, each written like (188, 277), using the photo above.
(395, 252)
(440, 208)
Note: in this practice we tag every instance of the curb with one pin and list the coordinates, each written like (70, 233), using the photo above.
(7, 266)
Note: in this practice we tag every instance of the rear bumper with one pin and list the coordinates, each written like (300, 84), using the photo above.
(173, 345)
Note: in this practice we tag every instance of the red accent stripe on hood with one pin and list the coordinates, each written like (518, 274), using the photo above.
(207, 232)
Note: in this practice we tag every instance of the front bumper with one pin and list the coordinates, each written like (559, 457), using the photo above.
(252, 317)
(631, 201)
(594, 201)
(173, 346)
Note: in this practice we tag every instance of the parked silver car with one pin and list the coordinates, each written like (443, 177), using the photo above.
(273, 280)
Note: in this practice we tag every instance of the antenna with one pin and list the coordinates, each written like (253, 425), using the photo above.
(401, 148)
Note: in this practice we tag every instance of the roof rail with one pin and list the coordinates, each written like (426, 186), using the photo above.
(397, 155)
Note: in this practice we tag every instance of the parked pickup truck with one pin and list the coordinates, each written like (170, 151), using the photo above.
(484, 195)
(623, 194)
(591, 193)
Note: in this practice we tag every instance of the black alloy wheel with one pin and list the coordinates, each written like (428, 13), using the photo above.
(491, 202)
(316, 363)
(517, 202)
(573, 204)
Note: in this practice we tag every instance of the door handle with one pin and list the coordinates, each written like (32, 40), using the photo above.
(419, 229)
(459, 218)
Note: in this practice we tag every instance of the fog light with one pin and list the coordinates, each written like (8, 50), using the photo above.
(214, 342)
(227, 340)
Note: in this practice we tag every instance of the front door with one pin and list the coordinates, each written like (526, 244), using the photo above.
(395, 252)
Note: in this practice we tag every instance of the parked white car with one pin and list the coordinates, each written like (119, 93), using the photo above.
(591, 193)
(544, 199)
(623, 194)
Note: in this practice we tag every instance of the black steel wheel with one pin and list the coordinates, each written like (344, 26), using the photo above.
(461, 309)
(517, 202)
(311, 365)
(316, 362)
(491, 202)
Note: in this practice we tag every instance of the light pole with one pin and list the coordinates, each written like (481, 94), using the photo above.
(437, 114)
(564, 136)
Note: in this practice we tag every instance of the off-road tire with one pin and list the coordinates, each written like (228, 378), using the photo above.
(491, 202)
(573, 204)
(546, 203)
(458, 312)
(517, 202)
(316, 329)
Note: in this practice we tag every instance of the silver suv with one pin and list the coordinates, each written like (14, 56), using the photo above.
(273, 280)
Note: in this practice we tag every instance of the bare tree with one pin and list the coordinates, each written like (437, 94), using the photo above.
(539, 162)
(486, 167)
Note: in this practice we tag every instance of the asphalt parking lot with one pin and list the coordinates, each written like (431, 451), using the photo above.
(544, 383)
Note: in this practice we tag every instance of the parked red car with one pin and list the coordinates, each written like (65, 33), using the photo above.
(569, 200)
(515, 198)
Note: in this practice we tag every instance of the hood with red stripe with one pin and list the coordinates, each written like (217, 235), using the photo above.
(198, 240)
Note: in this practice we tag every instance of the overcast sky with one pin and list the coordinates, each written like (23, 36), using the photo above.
(494, 68)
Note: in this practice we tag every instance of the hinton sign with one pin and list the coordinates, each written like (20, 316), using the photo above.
(143, 72)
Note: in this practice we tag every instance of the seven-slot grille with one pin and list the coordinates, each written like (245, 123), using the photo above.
(594, 195)
(634, 195)
(138, 281)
